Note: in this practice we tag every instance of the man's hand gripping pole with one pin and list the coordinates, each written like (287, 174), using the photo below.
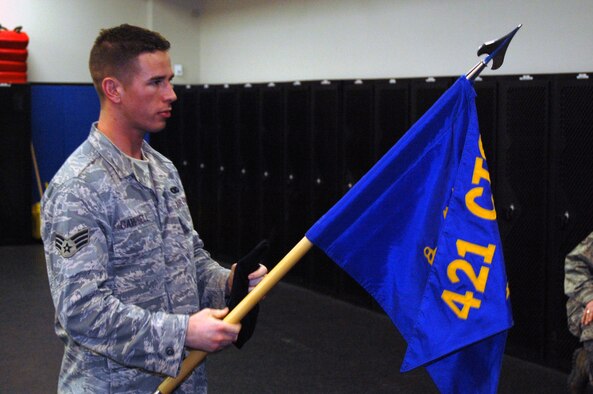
(195, 357)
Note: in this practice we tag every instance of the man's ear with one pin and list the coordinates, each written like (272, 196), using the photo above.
(112, 88)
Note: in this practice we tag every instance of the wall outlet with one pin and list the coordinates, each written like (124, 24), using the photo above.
(178, 70)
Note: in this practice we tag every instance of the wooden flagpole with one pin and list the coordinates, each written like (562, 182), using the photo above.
(195, 357)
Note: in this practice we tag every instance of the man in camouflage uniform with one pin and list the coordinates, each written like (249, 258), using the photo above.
(578, 286)
(132, 285)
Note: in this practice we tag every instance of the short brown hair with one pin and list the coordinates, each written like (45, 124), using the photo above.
(116, 49)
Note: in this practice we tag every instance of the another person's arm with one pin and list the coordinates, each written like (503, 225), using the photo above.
(578, 279)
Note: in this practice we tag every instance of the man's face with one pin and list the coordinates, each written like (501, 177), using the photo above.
(148, 93)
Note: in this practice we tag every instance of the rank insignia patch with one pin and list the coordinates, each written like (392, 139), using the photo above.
(69, 246)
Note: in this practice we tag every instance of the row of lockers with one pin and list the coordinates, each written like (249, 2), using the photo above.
(266, 161)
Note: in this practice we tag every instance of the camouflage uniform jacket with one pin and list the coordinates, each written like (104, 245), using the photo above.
(125, 268)
(578, 286)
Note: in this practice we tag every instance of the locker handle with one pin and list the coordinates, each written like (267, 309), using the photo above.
(509, 212)
(564, 219)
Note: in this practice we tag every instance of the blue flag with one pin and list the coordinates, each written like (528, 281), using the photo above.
(419, 233)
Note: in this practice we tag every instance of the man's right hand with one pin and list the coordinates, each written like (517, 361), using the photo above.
(207, 331)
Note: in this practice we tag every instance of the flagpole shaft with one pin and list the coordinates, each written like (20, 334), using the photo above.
(196, 357)
(475, 71)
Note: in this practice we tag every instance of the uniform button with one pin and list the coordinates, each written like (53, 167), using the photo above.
(170, 351)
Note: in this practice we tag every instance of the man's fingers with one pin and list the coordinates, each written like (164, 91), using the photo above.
(257, 276)
(219, 313)
(259, 273)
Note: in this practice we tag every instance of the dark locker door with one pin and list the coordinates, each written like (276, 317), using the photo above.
(571, 205)
(248, 221)
(15, 160)
(357, 132)
(227, 211)
(271, 171)
(356, 151)
(521, 199)
(391, 115)
(322, 273)
(297, 182)
(187, 144)
(424, 93)
(207, 162)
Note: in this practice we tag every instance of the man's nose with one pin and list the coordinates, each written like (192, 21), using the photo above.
(170, 95)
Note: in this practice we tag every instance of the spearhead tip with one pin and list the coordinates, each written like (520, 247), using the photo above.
(497, 49)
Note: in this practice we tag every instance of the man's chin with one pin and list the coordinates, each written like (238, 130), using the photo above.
(156, 129)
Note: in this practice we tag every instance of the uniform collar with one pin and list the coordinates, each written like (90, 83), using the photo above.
(122, 164)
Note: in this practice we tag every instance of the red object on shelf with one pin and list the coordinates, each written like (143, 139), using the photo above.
(16, 39)
(13, 66)
(13, 55)
(13, 77)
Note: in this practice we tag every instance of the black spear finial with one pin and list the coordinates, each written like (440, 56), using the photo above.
(495, 50)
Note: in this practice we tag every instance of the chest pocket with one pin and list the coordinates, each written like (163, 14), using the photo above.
(138, 262)
(135, 239)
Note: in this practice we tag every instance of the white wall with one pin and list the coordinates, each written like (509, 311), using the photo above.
(262, 40)
(235, 41)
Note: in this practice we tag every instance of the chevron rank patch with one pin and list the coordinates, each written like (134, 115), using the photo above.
(69, 246)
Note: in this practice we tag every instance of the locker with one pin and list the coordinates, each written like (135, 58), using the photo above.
(571, 208)
(207, 164)
(323, 274)
(248, 220)
(522, 190)
(271, 171)
(297, 180)
(391, 116)
(227, 225)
